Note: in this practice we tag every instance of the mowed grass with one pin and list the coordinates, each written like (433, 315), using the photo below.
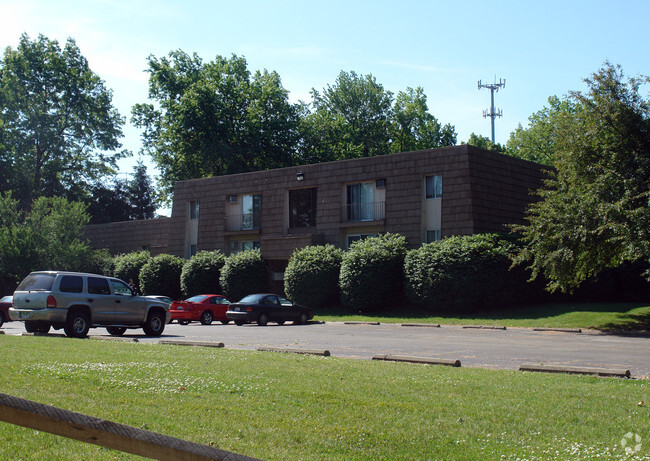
(283, 406)
(615, 317)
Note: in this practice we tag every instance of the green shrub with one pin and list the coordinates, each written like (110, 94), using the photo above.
(201, 273)
(312, 276)
(129, 265)
(372, 275)
(162, 276)
(243, 273)
(464, 273)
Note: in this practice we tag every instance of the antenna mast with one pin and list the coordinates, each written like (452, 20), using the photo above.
(493, 113)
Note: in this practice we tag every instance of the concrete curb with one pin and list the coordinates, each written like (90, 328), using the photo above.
(424, 325)
(37, 333)
(192, 343)
(361, 323)
(425, 360)
(575, 370)
(485, 327)
(562, 330)
(116, 338)
(324, 353)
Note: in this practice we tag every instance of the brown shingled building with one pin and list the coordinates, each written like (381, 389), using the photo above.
(424, 195)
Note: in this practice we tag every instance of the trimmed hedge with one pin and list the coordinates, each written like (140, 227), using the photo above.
(243, 273)
(372, 275)
(162, 276)
(465, 273)
(128, 266)
(201, 273)
(312, 276)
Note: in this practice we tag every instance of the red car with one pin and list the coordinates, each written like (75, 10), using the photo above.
(202, 308)
(5, 304)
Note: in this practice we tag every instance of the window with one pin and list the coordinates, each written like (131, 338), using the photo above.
(121, 288)
(251, 211)
(434, 186)
(432, 236)
(360, 206)
(192, 250)
(71, 284)
(194, 209)
(98, 286)
(251, 245)
(356, 237)
(302, 207)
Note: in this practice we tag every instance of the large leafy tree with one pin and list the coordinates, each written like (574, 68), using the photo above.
(594, 212)
(484, 142)
(59, 131)
(413, 127)
(48, 237)
(349, 119)
(537, 142)
(215, 118)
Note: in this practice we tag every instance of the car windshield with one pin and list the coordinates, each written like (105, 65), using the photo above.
(196, 299)
(6, 299)
(251, 299)
(37, 282)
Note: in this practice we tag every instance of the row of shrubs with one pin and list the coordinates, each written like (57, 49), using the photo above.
(456, 274)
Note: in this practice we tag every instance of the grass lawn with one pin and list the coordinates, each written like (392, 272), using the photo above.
(284, 406)
(610, 317)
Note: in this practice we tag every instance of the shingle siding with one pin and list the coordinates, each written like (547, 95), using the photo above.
(482, 192)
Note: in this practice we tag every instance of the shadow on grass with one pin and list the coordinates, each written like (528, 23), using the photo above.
(597, 315)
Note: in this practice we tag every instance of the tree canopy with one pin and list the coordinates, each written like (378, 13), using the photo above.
(357, 117)
(594, 211)
(215, 118)
(58, 128)
(537, 142)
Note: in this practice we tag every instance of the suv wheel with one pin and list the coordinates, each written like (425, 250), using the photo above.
(2, 319)
(116, 331)
(155, 324)
(206, 318)
(77, 324)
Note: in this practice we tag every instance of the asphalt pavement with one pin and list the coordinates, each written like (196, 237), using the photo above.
(487, 348)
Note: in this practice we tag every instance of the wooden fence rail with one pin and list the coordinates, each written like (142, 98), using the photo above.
(107, 434)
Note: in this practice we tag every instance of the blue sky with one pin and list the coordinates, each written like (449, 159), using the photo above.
(541, 48)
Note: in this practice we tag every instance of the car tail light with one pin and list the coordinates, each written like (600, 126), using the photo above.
(51, 302)
(249, 309)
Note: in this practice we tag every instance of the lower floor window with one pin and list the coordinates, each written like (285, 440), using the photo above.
(250, 245)
(355, 237)
(432, 236)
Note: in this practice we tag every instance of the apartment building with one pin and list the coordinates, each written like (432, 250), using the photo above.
(424, 195)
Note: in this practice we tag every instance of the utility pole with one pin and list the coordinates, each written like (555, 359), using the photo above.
(493, 112)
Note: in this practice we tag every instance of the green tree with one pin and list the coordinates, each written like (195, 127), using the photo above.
(537, 142)
(140, 194)
(58, 126)
(161, 275)
(356, 112)
(484, 143)
(414, 128)
(49, 237)
(109, 202)
(214, 118)
(594, 212)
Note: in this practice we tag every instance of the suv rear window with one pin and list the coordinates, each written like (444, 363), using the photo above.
(37, 282)
(71, 284)
(97, 286)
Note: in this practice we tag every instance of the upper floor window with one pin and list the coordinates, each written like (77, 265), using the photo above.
(194, 209)
(433, 186)
(251, 211)
(302, 207)
(360, 203)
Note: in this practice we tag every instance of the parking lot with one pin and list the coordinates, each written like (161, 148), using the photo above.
(474, 347)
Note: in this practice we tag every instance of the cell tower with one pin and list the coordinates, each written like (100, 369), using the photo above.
(493, 113)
